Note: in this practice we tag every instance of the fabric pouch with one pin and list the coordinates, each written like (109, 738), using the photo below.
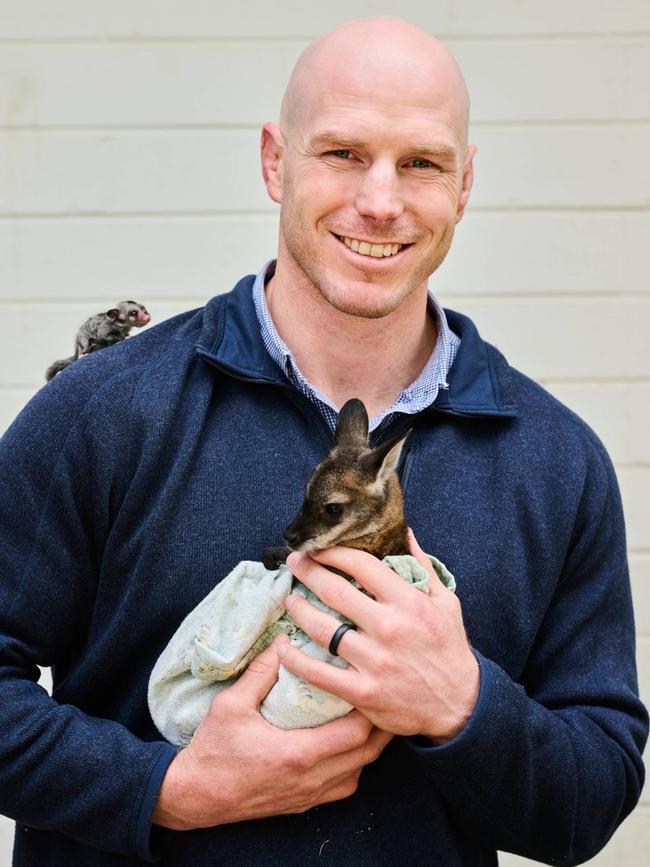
(233, 624)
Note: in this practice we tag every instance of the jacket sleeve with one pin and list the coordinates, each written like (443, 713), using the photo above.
(548, 768)
(61, 769)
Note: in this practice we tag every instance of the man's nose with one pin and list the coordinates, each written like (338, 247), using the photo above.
(379, 195)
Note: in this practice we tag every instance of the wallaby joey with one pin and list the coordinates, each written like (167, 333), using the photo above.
(353, 497)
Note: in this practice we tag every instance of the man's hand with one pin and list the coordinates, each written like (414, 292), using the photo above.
(238, 766)
(411, 669)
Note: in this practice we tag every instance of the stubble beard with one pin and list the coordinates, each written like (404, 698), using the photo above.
(368, 306)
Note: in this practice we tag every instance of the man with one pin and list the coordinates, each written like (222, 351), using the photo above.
(504, 717)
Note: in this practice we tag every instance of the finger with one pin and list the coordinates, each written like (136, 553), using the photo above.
(339, 681)
(333, 738)
(338, 769)
(346, 784)
(373, 575)
(435, 584)
(321, 628)
(342, 787)
(254, 684)
(334, 590)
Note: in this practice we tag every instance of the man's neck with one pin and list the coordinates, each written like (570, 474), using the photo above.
(348, 356)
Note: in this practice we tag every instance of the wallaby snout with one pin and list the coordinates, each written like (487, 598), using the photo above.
(292, 535)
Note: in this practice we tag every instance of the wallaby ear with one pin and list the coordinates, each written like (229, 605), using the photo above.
(352, 424)
(383, 460)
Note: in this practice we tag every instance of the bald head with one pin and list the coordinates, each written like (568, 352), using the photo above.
(374, 56)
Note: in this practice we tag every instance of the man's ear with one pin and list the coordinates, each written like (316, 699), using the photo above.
(468, 179)
(272, 149)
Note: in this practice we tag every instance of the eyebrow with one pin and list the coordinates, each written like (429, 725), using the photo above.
(332, 137)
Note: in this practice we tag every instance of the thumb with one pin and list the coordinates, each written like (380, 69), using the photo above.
(261, 674)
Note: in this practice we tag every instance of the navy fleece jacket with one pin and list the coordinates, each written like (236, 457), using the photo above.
(131, 484)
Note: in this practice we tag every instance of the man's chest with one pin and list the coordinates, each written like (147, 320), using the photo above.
(229, 487)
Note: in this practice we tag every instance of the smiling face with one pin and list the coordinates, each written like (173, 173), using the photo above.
(371, 168)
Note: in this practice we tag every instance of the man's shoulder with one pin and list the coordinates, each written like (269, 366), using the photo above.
(97, 390)
(545, 427)
(129, 359)
(484, 384)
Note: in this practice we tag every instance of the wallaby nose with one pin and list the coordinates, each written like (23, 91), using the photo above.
(291, 536)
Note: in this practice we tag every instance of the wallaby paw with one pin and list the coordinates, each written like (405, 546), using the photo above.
(273, 558)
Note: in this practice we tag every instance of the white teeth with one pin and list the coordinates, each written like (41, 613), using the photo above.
(378, 251)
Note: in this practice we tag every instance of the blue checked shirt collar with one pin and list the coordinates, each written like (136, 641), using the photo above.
(417, 396)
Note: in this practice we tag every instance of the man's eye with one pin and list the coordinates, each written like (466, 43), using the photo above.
(341, 154)
(334, 510)
(420, 163)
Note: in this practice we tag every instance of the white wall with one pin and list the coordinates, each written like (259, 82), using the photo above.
(128, 168)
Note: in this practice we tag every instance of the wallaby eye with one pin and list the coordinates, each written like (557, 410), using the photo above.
(334, 510)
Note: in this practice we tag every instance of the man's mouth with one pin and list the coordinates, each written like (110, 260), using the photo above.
(368, 248)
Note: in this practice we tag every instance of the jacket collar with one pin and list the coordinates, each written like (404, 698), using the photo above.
(479, 380)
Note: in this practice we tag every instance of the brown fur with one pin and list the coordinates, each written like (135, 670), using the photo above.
(361, 481)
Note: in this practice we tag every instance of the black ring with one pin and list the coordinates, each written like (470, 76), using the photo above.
(338, 635)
